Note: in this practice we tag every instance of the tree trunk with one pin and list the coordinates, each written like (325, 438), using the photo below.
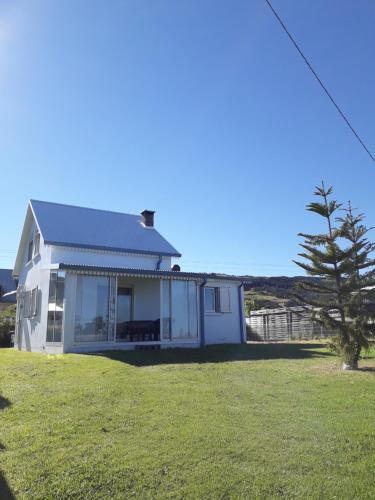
(350, 366)
(351, 357)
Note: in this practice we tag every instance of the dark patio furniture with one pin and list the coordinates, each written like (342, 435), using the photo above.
(138, 331)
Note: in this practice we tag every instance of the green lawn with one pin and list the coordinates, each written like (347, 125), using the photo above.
(254, 421)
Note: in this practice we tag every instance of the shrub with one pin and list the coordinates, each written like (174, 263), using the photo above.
(7, 325)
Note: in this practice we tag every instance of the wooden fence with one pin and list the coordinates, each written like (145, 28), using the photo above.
(292, 323)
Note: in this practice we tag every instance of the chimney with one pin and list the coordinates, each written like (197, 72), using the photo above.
(148, 218)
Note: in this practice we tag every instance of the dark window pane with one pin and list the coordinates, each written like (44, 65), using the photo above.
(209, 299)
(37, 243)
(166, 319)
(52, 288)
(55, 307)
(92, 309)
(58, 326)
(30, 251)
(60, 293)
(50, 325)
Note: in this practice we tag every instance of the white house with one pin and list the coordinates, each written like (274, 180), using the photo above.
(93, 280)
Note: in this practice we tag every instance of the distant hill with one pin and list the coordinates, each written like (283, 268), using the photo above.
(272, 292)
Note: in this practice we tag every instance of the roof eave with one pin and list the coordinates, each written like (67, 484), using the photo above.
(149, 272)
(112, 249)
(20, 252)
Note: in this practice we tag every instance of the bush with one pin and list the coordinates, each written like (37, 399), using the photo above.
(5, 336)
(7, 325)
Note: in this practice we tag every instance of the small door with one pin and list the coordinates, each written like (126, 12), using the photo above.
(124, 308)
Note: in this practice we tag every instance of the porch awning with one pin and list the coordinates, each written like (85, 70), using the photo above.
(8, 294)
(147, 273)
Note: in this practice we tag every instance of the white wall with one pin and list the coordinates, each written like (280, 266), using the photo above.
(224, 328)
(68, 255)
(32, 331)
(146, 298)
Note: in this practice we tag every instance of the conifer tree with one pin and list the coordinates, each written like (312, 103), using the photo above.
(340, 258)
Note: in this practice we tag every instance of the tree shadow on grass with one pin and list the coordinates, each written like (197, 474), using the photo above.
(4, 402)
(370, 369)
(5, 491)
(217, 354)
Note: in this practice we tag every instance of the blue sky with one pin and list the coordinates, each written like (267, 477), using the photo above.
(202, 111)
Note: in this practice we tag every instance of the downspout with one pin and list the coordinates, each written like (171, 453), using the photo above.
(242, 333)
(201, 310)
(159, 262)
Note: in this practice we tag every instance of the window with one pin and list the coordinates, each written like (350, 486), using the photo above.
(192, 299)
(26, 304)
(34, 302)
(166, 319)
(124, 310)
(217, 299)
(55, 306)
(180, 315)
(30, 251)
(92, 309)
(210, 301)
(37, 243)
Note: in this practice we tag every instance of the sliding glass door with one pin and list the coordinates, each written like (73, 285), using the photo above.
(180, 311)
(124, 311)
(92, 309)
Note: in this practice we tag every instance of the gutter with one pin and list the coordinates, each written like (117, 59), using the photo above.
(201, 310)
(242, 332)
(13, 292)
(159, 263)
(141, 272)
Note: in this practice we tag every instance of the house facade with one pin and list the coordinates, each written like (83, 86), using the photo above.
(92, 280)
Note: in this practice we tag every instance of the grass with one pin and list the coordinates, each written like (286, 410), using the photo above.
(254, 421)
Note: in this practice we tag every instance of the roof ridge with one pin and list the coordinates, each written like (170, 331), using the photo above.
(84, 208)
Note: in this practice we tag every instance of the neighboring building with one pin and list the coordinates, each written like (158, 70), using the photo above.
(7, 286)
(93, 280)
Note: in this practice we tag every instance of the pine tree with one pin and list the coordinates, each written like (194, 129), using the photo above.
(361, 280)
(342, 296)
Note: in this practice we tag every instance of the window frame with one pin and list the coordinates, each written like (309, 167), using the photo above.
(34, 302)
(90, 341)
(26, 304)
(206, 289)
(30, 251)
(168, 315)
(217, 292)
(132, 295)
(36, 245)
(53, 323)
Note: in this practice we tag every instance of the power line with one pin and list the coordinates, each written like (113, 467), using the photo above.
(320, 82)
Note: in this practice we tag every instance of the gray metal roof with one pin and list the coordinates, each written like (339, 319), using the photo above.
(7, 284)
(149, 273)
(68, 225)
